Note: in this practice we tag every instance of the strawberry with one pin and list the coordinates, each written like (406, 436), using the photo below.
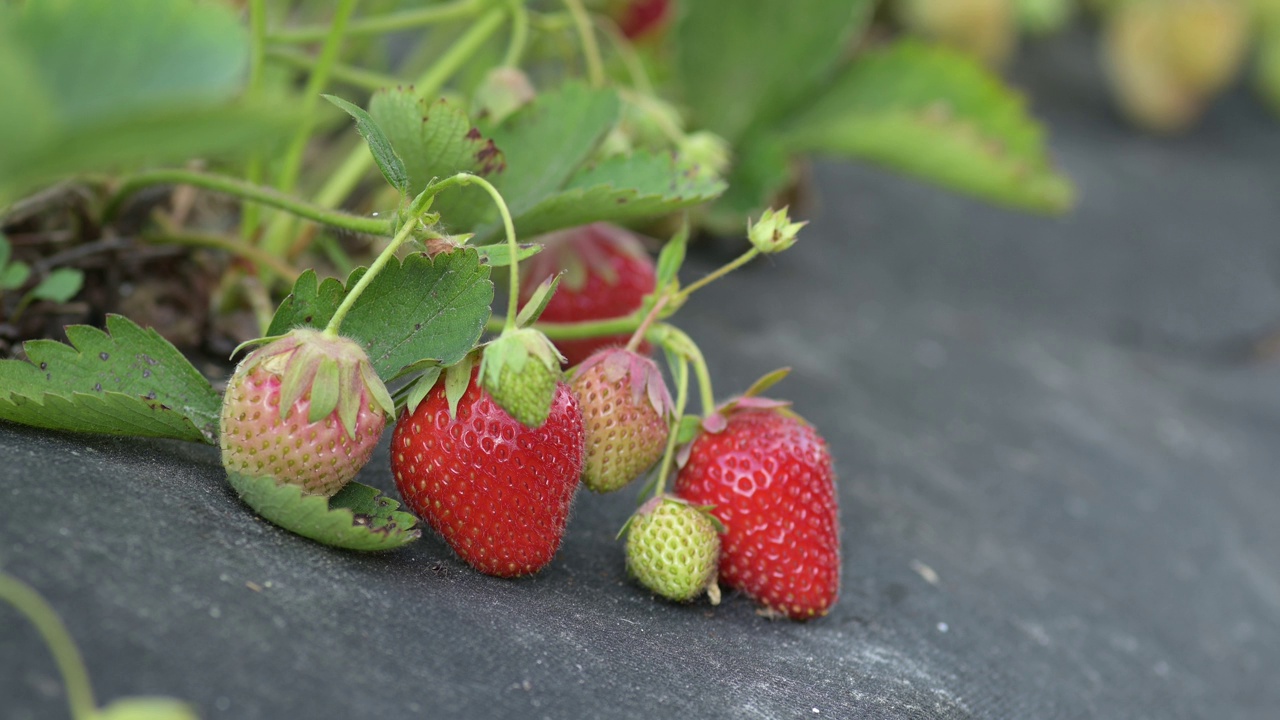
(672, 549)
(306, 409)
(625, 410)
(607, 275)
(497, 491)
(641, 17)
(768, 475)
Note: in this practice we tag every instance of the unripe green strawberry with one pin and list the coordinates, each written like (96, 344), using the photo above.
(521, 370)
(306, 409)
(626, 410)
(673, 549)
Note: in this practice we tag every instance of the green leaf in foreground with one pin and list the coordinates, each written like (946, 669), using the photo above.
(357, 518)
(126, 381)
(618, 189)
(422, 308)
(939, 115)
(384, 154)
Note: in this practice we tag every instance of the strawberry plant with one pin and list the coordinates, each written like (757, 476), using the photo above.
(510, 140)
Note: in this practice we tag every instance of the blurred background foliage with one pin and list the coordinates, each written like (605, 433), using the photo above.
(693, 105)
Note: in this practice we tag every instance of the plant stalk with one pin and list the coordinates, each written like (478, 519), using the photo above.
(246, 191)
(403, 20)
(65, 653)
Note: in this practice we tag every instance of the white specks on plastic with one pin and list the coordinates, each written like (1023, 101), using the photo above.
(929, 574)
(943, 627)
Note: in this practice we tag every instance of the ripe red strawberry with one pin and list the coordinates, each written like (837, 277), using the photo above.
(768, 475)
(607, 275)
(641, 17)
(625, 409)
(305, 409)
(496, 490)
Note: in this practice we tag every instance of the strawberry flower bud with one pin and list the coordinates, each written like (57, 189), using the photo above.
(774, 231)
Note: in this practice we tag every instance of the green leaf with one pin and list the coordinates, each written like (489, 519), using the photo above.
(383, 153)
(14, 276)
(424, 308)
(436, 139)
(109, 82)
(546, 141)
(740, 69)
(619, 189)
(937, 114)
(544, 144)
(59, 285)
(357, 518)
(126, 381)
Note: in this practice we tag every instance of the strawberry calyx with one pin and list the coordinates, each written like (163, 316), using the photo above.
(520, 370)
(641, 373)
(718, 419)
(333, 371)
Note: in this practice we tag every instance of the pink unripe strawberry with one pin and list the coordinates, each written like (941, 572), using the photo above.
(625, 410)
(306, 409)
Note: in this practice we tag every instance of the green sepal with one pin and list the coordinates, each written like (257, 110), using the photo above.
(255, 342)
(350, 394)
(688, 429)
(499, 255)
(325, 391)
(297, 380)
(537, 303)
(377, 390)
(420, 387)
(715, 521)
(766, 382)
(457, 379)
(671, 258)
(521, 370)
(357, 518)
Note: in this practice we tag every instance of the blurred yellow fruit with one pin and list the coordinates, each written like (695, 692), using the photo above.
(1167, 58)
(985, 29)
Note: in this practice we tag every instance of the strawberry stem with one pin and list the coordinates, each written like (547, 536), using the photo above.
(463, 179)
(331, 330)
(741, 260)
(280, 230)
(639, 334)
(246, 191)
(685, 345)
(36, 609)
(590, 50)
(348, 174)
(389, 22)
(519, 35)
(681, 374)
